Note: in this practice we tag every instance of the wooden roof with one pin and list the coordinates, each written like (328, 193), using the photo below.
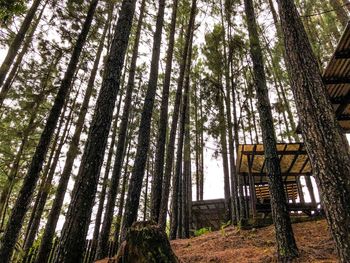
(336, 77)
(294, 161)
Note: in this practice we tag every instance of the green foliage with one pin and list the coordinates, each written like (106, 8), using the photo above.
(9, 8)
(202, 231)
(223, 226)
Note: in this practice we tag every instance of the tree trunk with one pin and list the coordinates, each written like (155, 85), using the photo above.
(328, 154)
(78, 217)
(146, 190)
(146, 242)
(105, 183)
(44, 175)
(156, 190)
(17, 42)
(224, 152)
(47, 182)
(197, 142)
(186, 177)
(102, 249)
(235, 180)
(46, 244)
(176, 185)
(201, 180)
(31, 178)
(177, 193)
(121, 201)
(287, 249)
(233, 201)
(9, 80)
(276, 67)
(171, 144)
(133, 198)
(27, 132)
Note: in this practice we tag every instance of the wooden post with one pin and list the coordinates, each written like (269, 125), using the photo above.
(246, 208)
(300, 190)
(310, 189)
(252, 189)
(293, 196)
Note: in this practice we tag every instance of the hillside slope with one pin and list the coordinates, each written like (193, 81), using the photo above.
(232, 245)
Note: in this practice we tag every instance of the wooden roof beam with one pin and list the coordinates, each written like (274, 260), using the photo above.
(342, 106)
(336, 80)
(294, 159)
(340, 100)
(344, 117)
(282, 173)
(281, 152)
(343, 54)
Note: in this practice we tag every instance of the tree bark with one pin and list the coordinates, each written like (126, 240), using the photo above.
(233, 201)
(287, 249)
(47, 182)
(145, 203)
(133, 198)
(121, 201)
(102, 198)
(328, 154)
(224, 151)
(32, 125)
(186, 178)
(157, 182)
(146, 242)
(31, 178)
(177, 177)
(45, 174)
(74, 231)
(171, 144)
(102, 249)
(179, 184)
(201, 180)
(46, 243)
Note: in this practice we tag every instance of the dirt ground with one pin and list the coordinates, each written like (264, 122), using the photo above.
(257, 245)
(313, 240)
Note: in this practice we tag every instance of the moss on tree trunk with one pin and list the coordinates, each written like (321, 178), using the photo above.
(145, 243)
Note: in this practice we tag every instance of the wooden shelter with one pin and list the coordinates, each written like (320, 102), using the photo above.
(336, 78)
(293, 157)
(294, 163)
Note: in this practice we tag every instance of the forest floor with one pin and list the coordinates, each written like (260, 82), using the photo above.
(232, 245)
(257, 245)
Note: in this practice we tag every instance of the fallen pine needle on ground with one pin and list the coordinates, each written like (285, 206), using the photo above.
(258, 245)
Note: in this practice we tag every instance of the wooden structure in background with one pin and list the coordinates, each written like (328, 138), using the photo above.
(208, 213)
(294, 163)
(293, 157)
(336, 78)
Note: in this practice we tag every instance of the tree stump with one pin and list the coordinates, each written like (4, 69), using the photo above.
(145, 243)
